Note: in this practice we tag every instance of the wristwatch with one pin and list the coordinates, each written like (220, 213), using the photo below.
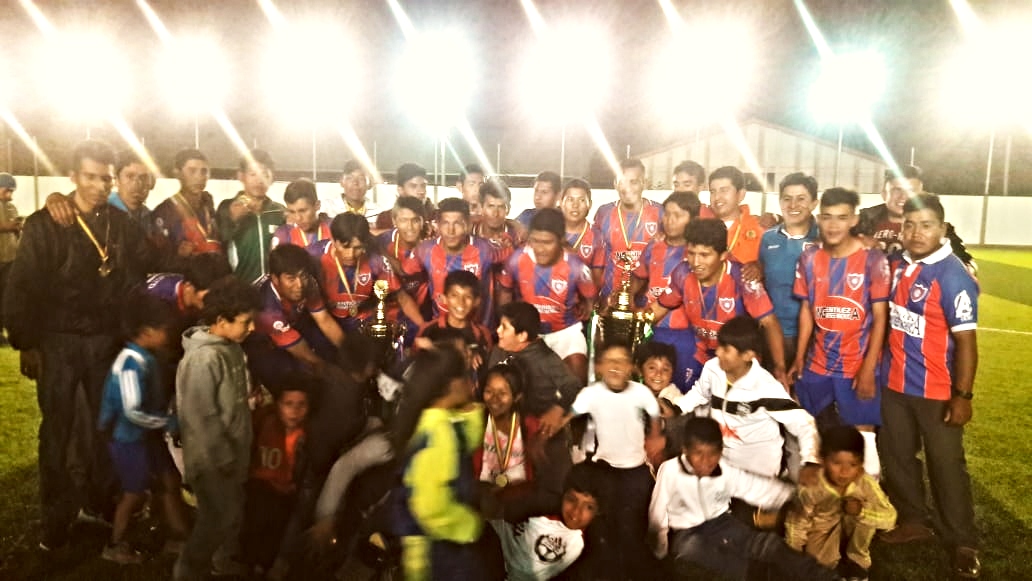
(963, 394)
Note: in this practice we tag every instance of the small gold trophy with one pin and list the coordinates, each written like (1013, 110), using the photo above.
(623, 324)
(389, 333)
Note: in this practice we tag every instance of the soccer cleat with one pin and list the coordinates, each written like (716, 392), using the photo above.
(907, 533)
(122, 554)
(91, 517)
(966, 564)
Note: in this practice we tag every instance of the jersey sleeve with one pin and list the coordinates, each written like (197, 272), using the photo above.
(879, 275)
(675, 297)
(580, 275)
(381, 270)
(959, 300)
(801, 288)
(510, 270)
(642, 270)
(275, 324)
(754, 297)
(598, 250)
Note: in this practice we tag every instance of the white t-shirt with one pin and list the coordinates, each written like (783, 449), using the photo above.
(537, 548)
(619, 421)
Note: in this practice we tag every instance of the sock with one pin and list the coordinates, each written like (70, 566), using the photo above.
(872, 464)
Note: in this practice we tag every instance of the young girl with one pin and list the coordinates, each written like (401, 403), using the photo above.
(653, 277)
(435, 433)
(514, 485)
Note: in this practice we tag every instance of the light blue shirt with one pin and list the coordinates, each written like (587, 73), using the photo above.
(779, 253)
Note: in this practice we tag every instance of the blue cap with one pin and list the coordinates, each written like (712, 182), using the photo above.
(7, 181)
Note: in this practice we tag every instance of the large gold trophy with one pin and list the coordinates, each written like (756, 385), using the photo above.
(389, 334)
(623, 324)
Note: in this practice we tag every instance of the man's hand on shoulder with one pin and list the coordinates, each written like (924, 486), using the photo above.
(61, 209)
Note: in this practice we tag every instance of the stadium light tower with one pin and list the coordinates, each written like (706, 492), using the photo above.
(195, 78)
(319, 57)
(848, 87)
(74, 72)
(566, 77)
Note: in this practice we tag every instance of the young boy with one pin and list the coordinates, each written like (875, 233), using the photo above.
(212, 384)
(462, 295)
(279, 434)
(844, 290)
(618, 406)
(844, 505)
(542, 547)
(134, 411)
(690, 516)
(655, 363)
(751, 406)
(712, 291)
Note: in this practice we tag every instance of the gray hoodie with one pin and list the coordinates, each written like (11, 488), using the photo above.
(211, 396)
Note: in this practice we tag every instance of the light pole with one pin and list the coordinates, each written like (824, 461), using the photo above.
(848, 86)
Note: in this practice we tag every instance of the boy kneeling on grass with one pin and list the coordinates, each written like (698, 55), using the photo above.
(690, 514)
(134, 411)
(843, 509)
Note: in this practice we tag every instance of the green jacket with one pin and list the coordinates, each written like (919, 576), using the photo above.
(248, 241)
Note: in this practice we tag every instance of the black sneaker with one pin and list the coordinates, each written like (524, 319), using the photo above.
(966, 564)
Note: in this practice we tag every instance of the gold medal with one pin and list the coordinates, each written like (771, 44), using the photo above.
(105, 260)
(105, 267)
(353, 311)
(501, 481)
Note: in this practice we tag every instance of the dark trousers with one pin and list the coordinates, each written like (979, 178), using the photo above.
(266, 515)
(5, 269)
(274, 367)
(909, 424)
(216, 532)
(626, 508)
(68, 362)
(725, 545)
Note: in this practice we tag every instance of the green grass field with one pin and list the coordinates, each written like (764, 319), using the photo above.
(999, 448)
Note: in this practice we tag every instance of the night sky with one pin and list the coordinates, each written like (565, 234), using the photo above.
(915, 37)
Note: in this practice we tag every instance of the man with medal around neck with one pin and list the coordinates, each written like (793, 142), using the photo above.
(65, 285)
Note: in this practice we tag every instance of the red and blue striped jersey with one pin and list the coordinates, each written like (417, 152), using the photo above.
(553, 290)
(841, 292)
(292, 234)
(657, 262)
(588, 246)
(168, 287)
(625, 232)
(342, 296)
(478, 256)
(931, 299)
(278, 317)
(708, 308)
(412, 278)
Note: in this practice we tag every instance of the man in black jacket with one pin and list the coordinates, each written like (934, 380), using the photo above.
(66, 286)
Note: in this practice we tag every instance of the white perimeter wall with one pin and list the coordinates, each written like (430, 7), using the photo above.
(1009, 218)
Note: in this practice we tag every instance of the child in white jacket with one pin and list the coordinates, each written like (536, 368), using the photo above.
(690, 518)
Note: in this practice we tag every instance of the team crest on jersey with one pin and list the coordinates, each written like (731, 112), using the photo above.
(918, 292)
(281, 326)
(808, 244)
(651, 228)
(363, 279)
(473, 268)
(585, 250)
(727, 304)
(559, 286)
(855, 280)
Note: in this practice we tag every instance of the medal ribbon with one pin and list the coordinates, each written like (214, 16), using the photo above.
(711, 315)
(623, 229)
(181, 201)
(344, 279)
(738, 232)
(504, 463)
(101, 250)
(576, 245)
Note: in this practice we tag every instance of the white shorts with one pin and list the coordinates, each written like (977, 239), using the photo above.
(569, 341)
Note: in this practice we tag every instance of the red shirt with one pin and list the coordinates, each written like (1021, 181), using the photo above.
(588, 246)
(342, 294)
(278, 316)
(477, 257)
(292, 234)
(625, 232)
(274, 451)
(657, 262)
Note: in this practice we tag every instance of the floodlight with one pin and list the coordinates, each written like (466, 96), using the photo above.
(848, 87)
(984, 83)
(311, 73)
(567, 73)
(699, 52)
(194, 75)
(75, 73)
(429, 58)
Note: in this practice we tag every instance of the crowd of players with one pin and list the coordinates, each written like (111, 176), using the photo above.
(790, 359)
